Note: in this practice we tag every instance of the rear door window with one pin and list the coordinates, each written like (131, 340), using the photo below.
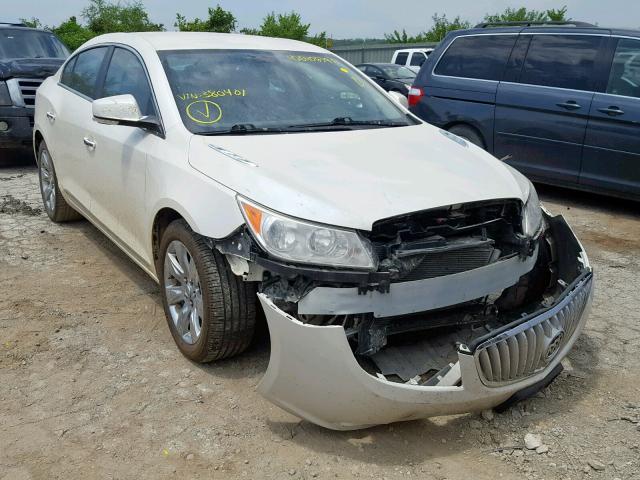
(624, 78)
(81, 73)
(480, 56)
(562, 61)
(401, 58)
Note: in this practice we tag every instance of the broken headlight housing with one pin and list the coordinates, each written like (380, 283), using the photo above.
(532, 214)
(304, 242)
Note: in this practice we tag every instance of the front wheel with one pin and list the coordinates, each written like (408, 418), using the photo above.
(210, 311)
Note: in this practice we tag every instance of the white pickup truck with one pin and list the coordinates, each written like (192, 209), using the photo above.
(412, 58)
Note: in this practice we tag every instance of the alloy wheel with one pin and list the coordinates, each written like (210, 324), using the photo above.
(47, 182)
(183, 292)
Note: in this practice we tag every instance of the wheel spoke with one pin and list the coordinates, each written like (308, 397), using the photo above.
(182, 322)
(173, 266)
(183, 258)
(192, 271)
(175, 294)
(194, 325)
(198, 304)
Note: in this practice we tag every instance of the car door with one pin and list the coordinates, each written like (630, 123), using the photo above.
(70, 118)
(541, 116)
(120, 159)
(611, 157)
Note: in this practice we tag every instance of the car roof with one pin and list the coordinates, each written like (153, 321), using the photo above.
(206, 41)
(419, 49)
(382, 64)
(20, 26)
(547, 29)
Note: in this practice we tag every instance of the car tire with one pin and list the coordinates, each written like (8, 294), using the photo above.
(469, 134)
(220, 306)
(53, 202)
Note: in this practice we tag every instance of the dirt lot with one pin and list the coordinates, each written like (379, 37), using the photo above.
(91, 385)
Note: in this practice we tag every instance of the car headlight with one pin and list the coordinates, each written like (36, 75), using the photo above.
(532, 214)
(304, 242)
(5, 98)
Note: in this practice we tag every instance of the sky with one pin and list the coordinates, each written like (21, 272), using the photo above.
(340, 18)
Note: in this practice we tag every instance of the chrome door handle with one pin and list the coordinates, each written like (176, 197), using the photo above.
(89, 143)
(570, 105)
(612, 110)
(51, 116)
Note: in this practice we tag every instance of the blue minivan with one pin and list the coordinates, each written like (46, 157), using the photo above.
(561, 103)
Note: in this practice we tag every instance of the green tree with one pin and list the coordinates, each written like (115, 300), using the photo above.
(402, 37)
(31, 23)
(219, 20)
(104, 17)
(72, 33)
(442, 25)
(558, 15)
(524, 15)
(287, 25)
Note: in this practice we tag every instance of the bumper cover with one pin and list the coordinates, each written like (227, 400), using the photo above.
(20, 121)
(314, 374)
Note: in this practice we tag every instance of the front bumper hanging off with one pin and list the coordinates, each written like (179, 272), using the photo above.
(314, 374)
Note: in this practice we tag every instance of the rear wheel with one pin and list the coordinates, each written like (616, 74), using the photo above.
(54, 203)
(210, 311)
(469, 134)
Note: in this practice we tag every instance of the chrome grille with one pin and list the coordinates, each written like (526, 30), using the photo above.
(529, 347)
(28, 87)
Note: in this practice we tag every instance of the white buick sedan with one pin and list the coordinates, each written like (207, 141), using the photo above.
(403, 272)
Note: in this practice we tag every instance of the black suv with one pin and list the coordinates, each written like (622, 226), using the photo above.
(561, 102)
(27, 57)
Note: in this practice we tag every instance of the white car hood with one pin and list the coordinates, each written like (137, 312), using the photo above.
(353, 178)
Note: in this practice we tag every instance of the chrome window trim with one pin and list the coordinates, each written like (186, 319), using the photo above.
(618, 96)
(548, 86)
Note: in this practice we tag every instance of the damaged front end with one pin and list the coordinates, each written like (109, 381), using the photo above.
(462, 312)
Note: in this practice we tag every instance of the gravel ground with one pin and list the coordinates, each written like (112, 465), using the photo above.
(91, 385)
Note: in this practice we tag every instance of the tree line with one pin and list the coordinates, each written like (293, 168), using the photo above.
(104, 16)
(442, 25)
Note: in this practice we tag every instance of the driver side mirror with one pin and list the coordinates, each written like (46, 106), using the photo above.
(122, 110)
(399, 98)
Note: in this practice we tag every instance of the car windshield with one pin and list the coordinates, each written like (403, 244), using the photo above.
(17, 43)
(259, 91)
(397, 71)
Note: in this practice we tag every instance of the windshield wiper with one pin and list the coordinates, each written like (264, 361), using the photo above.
(245, 129)
(348, 122)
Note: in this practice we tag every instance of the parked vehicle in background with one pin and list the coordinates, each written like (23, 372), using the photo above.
(412, 58)
(27, 57)
(403, 271)
(561, 103)
(391, 77)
